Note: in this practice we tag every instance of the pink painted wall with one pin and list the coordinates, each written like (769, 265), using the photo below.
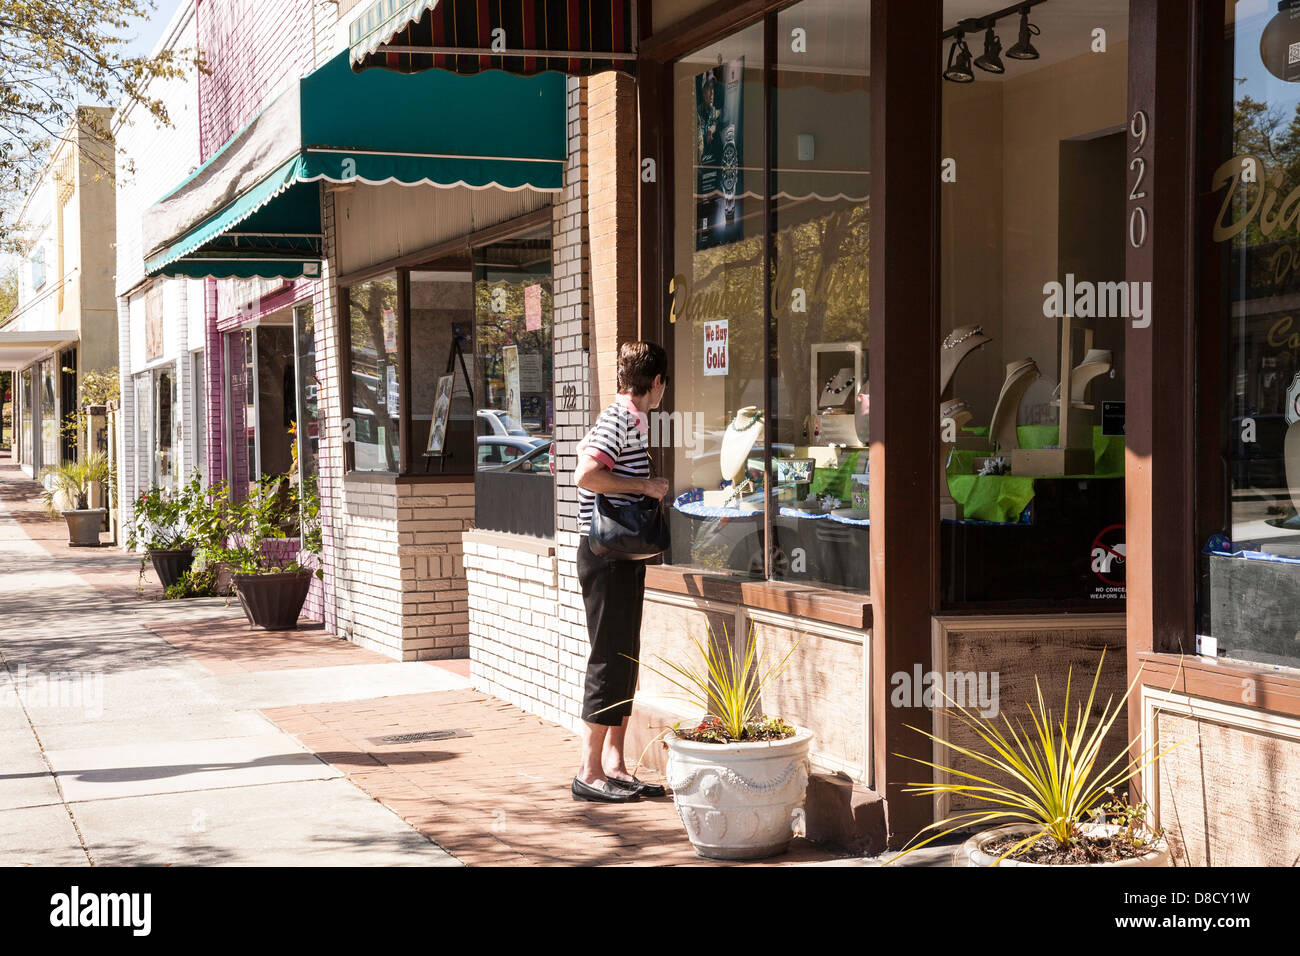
(255, 49)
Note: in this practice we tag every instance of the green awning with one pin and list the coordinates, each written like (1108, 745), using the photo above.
(253, 209)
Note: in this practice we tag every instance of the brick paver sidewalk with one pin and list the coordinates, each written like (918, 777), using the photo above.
(495, 790)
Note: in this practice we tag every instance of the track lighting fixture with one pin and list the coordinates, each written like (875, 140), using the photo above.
(991, 59)
(1024, 48)
(959, 68)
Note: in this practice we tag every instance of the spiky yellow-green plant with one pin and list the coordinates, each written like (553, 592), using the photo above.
(726, 688)
(1053, 781)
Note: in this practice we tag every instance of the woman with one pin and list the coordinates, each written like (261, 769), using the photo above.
(614, 460)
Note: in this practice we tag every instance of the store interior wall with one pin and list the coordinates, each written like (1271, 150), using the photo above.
(1010, 228)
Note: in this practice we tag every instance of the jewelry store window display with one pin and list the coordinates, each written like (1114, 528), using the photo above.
(809, 337)
(1035, 303)
(614, 462)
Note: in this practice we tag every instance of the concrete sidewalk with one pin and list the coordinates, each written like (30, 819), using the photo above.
(140, 731)
(120, 747)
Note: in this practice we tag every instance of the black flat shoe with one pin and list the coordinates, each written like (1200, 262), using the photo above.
(603, 792)
(639, 787)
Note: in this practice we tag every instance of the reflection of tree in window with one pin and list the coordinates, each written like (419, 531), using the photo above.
(369, 302)
(504, 326)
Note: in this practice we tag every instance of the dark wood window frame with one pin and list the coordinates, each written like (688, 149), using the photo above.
(457, 251)
(658, 55)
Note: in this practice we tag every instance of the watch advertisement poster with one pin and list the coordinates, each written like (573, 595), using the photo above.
(719, 180)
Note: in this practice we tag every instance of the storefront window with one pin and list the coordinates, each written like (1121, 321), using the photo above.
(48, 389)
(820, 306)
(424, 319)
(1249, 606)
(441, 407)
(1034, 305)
(376, 408)
(306, 425)
(252, 467)
(164, 430)
(199, 404)
(805, 331)
(25, 413)
(514, 394)
(277, 400)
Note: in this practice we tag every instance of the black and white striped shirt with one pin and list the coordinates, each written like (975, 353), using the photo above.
(618, 441)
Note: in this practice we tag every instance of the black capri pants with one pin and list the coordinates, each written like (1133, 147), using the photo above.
(613, 592)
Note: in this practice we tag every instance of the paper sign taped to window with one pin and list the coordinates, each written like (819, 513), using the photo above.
(532, 308)
(715, 348)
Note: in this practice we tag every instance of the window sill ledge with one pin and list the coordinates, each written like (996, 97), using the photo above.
(1224, 680)
(545, 547)
(845, 608)
(390, 478)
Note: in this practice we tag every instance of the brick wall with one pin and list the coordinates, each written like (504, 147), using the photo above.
(393, 556)
(528, 631)
(254, 49)
(611, 121)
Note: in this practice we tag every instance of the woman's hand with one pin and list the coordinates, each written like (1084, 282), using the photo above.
(654, 487)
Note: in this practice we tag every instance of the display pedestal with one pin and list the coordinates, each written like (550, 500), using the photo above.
(1074, 434)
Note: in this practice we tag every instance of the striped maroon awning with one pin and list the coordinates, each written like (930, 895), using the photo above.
(577, 37)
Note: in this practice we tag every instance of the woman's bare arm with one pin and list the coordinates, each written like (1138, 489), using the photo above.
(598, 479)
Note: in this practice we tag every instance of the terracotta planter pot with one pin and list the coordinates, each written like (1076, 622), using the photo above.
(84, 526)
(171, 564)
(976, 855)
(739, 801)
(273, 601)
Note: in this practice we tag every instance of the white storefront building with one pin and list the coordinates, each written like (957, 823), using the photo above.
(161, 433)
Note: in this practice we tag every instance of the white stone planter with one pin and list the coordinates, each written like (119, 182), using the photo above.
(973, 849)
(739, 801)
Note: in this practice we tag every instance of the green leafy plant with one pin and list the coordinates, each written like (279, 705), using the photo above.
(72, 480)
(196, 582)
(1053, 781)
(275, 510)
(729, 690)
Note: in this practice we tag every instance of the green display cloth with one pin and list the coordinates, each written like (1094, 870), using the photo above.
(1003, 498)
(836, 481)
(991, 497)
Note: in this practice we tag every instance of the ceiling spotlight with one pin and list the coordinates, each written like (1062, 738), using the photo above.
(991, 59)
(1024, 49)
(959, 69)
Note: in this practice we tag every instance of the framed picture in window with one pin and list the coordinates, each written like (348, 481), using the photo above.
(441, 409)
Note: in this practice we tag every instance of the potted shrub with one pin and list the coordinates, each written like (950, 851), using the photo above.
(158, 527)
(1052, 800)
(267, 570)
(67, 492)
(738, 776)
(176, 529)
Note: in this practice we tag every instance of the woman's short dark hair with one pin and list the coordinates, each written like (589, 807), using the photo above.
(638, 364)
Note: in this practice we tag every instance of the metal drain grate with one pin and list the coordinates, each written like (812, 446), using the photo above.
(421, 736)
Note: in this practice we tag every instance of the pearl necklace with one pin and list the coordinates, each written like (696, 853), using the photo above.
(951, 343)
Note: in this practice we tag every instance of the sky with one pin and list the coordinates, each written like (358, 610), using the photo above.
(147, 31)
(143, 33)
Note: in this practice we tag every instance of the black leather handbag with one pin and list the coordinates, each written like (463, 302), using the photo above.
(636, 531)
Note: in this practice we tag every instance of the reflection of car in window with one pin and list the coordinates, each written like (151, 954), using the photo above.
(495, 451)
(491, 421)
(539, 461)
